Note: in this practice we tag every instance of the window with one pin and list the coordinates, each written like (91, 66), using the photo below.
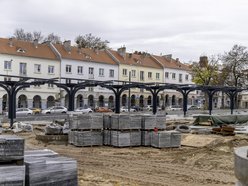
(111, 73)
(141, 75)
(50, 85)
(180, 78)
(80, 70)
(173, 75)
(150, 75)
(7, 65)
(166, 75)
(50, 69)
(141, 90)
(23, 68)
(91, 73)
(67, 81)
(187, 77)
(101, 72)
(124, 72)
(91, 89)
(68, 69)
(91, 70)
(7, 78)
(133, 73)
(37, 68)
(157, 75)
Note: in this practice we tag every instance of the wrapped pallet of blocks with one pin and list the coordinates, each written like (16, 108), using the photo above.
(86, 122)
(40, 153)
(11, 148)
(153, 121)
(87, 138)
(107, 137)
(126, 138)
(146, 137)
(106, 121)
(12, 175)
(163, 139)
(125, 121)
(60, 171)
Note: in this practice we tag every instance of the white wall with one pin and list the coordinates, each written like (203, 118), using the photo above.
(85, 75)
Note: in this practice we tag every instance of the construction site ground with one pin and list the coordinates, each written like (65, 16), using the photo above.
(201, 160)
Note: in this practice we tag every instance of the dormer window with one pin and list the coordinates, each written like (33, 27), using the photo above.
(21, 50)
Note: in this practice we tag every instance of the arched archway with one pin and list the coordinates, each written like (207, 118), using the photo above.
(141, 101)
(158, 101)
(111, 101)
(180, 101)
(22, 101)
(80, 101)
(173, 100)
(91, 101)
(4, 102)
(101, 101)
(149, 100)
(133, 100)
(37, 101)
(50, 101)
(66, 100)
(166, 100)
(124, 100)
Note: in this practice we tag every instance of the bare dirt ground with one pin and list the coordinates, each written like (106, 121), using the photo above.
(210, 163)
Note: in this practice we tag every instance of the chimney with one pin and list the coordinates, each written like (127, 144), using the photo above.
(35, 43)
(122, 51)
(203, 61)
(67, 45)
(177, 60)
(11, 43)
(168, 57)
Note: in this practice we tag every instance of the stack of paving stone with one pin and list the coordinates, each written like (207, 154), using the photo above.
(86, 130)
(45, 167)
(124, 130)
(106, 129)
(163, 139)
(149, 124)
(11, 160)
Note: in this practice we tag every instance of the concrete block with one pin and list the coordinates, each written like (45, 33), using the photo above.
(12, 175)
(88, 138)
(151, 121)
(241, 165)
(11, 148)
(125, 121)
(146, 137)
(125, 138)
(60, 171)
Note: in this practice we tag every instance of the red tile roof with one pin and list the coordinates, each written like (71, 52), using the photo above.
(27, 49)
(85, 54)
(144, 60)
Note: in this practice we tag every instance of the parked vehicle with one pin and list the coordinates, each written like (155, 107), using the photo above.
(137, 108)
(23, 111)
(84, 110)
(149, 108)
(125, 109)
(174, 107)
(103, 109)
(55, 110)
(193, 107)
(36, 110)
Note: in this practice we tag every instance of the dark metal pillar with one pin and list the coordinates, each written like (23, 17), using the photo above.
(185, 103)
(117, 101)
(154, 100)
(210, 102)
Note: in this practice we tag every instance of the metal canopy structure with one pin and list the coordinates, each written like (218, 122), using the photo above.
(72, 85)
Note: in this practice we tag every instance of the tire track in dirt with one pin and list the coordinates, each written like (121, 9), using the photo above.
(152, 171)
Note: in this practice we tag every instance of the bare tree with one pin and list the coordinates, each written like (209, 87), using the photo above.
(20, 34)
(236, 62)
(53, 38)
(90, 41)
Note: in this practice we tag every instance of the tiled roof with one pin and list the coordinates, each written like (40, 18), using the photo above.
(144, 60)
(85, 54)
(171, 63)
(26, 49)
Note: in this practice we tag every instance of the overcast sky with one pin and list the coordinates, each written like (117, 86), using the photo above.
(186, 29)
